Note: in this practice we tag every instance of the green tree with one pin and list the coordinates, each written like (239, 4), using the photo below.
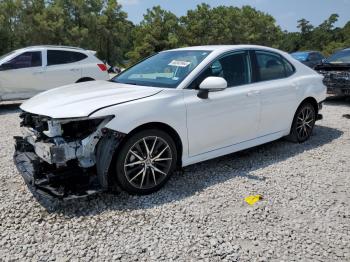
(324, 34)
(158, 31)
(229, 25)
(113, 33)
(197, 25)
(345, 31)
(100, 25)
(10, 19)
(103, 26)
(290, 41)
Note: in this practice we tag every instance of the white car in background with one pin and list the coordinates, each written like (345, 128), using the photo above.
(174, 109)
(31, 70)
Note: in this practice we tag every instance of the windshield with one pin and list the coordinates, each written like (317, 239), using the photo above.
(340, 57)
(165, 69)
(301, 56)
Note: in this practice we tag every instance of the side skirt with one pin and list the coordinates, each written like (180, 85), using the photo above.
(233, 148)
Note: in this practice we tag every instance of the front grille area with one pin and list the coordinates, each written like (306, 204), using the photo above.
(336, 79)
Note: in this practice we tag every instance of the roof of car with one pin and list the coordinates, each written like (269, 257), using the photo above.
(53, 46)
(304, 52)
(223, 48)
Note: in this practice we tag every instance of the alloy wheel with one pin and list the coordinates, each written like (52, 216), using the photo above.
(305, 122)
(148, 162)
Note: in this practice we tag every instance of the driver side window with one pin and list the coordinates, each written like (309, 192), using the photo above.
(234, 68)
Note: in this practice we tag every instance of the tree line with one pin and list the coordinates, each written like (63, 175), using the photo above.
(103, 26)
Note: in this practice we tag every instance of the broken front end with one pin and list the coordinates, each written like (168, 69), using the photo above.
(336, 78)
(65, 158)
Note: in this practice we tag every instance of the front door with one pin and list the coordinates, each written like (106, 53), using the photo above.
(227, 117)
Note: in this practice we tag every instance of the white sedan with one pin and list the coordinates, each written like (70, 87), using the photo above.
(28, 71)
(174, 109)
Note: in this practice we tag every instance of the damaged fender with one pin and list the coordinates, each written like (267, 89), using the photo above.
(105, 150)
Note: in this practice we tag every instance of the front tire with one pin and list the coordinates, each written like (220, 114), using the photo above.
(145, 162)
(303, 123)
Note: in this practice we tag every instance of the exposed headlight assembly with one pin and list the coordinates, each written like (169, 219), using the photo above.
(75, 128)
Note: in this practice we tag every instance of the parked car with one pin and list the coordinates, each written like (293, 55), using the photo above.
(309, 58)
(113, 69)
(174, 109)
(336, 71)
(28, 71)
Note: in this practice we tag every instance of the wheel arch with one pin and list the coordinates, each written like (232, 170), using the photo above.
(166, 128)
(310, 100)
(109, 146)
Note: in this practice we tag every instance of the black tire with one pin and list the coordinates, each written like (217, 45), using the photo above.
(303, 123)
(132, 177)
(85, 79)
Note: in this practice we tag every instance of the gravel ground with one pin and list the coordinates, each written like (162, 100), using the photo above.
(304, 214)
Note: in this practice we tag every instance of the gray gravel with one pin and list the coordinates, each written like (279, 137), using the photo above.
(304, 214)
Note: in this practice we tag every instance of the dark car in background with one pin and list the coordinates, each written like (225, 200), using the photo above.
(336, 71)
(309, 58)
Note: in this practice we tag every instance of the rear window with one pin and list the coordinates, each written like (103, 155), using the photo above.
(272, 66)
(59, 57)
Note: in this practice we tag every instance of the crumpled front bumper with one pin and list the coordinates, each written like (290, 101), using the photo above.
(64, 183)
(338, 83)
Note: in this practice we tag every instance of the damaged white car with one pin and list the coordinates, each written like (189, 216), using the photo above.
(176, 108)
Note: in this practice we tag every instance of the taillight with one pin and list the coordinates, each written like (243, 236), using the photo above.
(103, 67)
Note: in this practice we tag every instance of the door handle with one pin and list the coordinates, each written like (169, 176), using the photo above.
(38, 72)
(253, 93)
(74, 69)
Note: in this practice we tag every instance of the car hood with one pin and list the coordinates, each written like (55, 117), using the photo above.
(82, 99)
(333, 67)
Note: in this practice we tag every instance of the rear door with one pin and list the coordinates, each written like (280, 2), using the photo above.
(62, 67)
(277, 92)
(20, 77)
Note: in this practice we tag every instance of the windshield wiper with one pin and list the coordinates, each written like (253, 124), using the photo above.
(126, 83)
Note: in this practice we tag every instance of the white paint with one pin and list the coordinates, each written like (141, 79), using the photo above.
(229, 120)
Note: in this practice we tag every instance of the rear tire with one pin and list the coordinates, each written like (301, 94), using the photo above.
(85, 79)
(303, 123)
(145, 162)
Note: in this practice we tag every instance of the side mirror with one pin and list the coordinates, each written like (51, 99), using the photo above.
(211, 84)
(324, 60)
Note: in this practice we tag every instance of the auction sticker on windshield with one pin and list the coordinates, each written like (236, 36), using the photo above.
(179, 63)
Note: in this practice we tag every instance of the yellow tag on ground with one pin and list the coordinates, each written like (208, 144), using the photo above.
(251, 200)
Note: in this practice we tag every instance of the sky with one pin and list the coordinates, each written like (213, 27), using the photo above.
(286, 12)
